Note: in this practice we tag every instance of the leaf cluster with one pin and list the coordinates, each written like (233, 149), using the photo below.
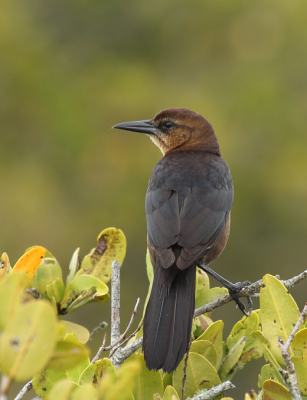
(37, 344)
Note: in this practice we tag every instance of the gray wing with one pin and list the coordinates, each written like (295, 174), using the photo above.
(186, 218)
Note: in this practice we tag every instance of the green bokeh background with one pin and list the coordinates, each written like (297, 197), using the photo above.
(70, 70)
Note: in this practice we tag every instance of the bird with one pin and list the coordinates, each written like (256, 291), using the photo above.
(188, 204)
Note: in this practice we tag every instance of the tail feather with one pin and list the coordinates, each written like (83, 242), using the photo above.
(168, 317)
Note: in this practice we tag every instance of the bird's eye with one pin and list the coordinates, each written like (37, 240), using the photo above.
(168, 124)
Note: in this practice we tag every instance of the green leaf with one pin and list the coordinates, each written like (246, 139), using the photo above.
(214, 333)
(81, 290)
(62, 390)
(170, 394)
(268, 354)
(202, 286)
(11, 292)
(299, 344)
(231, 358)
(267, 372)
(67, 355)
(111, 246)
(279, 313)
(81, 333)
(210, 295)
(56, 289)
(73, 266)
(111, 388)
(273, 390)
(150, 275)
(200, 375)
(205, 349)
(44, 381)
(300, 365)
(245, 327)
(5, 266)
(94, 372)
(48, 271)
(87, 392)
(147, 382)
(28, 341)
(167, 379)
(74, 373)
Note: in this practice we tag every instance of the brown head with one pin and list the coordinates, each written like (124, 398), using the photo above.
(177, 129)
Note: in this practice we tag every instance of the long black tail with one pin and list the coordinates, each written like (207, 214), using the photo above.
(168, 317)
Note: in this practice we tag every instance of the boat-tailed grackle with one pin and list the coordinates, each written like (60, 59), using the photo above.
(188, 203)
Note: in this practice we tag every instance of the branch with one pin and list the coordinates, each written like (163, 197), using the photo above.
(211, 393)
(115, 302)
(245, 292)
(27, 387)
(289, 376)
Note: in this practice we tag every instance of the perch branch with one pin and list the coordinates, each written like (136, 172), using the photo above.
(213, 392)
(289, 376)
(27, 387)
(249, 290)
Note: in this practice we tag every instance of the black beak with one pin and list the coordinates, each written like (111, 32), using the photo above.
(137, 126)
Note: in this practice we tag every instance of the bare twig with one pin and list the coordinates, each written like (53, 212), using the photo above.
(260, 395)
(102, 325)
(27, 387)
(116, 345)
(115, 302)
(245, 292)
(184, 378)
(211, 393)
(100, 350)
(289, 376)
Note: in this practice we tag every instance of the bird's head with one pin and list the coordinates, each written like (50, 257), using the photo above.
(177, 129)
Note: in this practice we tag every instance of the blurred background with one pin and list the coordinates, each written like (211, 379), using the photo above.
(70, 70)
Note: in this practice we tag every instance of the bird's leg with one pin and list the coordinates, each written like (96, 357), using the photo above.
(233, 288)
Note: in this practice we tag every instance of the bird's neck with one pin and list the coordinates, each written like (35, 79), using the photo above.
(213, 148)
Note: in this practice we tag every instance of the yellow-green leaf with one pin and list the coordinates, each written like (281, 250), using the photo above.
(48, 271)
(73, 266)
(202, 285)
(81, 290)
(210, 295)
(214, 333)
(28, 341)
(56, 290)
(150, 275)
(245, 327)
(81, 333)
(273, 390)
(111, 246)
(170, 394)
(231, 358)
(267, 353)
(299, 344)
(279, 313)
(62, 390)
(94, 372)
(30, 261)
(200, 375)
(67, 355)
(300, 365)
(87, 392)
(11, 295)
(205, 349)
(147, 382)
(44, 381)
(5, 266)
(267, 372)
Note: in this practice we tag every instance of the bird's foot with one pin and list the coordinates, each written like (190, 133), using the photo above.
(234, 290)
